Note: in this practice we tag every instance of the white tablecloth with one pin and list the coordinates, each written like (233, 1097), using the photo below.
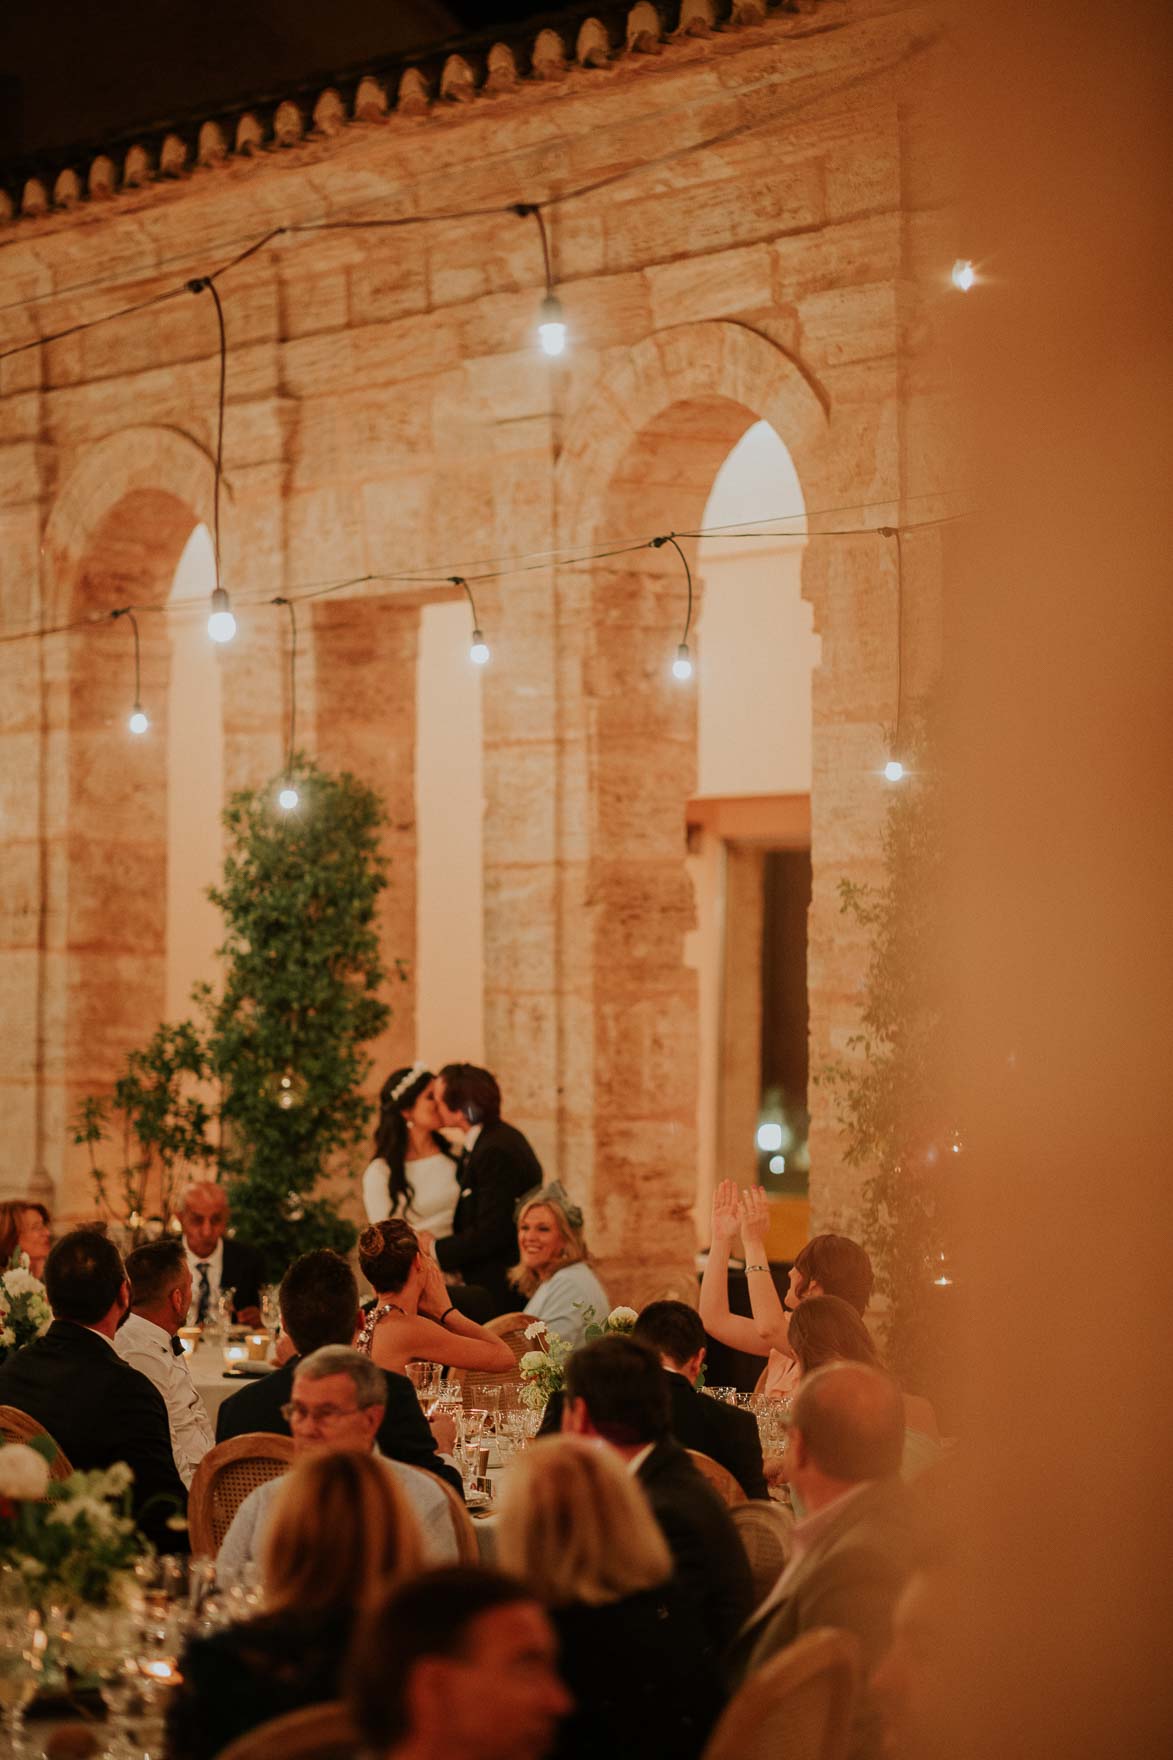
(212, 1385)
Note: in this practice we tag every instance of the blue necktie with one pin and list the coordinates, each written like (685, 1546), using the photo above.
(205, 1292)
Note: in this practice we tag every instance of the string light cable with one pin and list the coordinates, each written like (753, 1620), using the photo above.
(478, 651)
(137, 720)
(287, 795)
(516, 563)
(894, 769)
(819, 94)
(221, 622)
(682, 665)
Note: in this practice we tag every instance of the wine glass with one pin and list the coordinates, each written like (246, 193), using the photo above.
(21, 1663)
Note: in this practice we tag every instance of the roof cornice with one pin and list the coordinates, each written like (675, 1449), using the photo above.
(471, 69)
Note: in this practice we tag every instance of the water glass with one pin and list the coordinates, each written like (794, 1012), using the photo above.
(21, 1663)
(425, 1378)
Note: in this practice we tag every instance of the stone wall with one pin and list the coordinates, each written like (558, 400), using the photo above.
(388, 412)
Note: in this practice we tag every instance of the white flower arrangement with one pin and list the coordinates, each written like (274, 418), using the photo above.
(24, 1309)
(74, 1538)
(24, 1472)
(544, 1371)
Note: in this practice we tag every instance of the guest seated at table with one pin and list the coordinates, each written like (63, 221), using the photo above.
(96, 1407)
(830, 1264)
(725, 1433)
(160, 1294)
(858, 1537)
(578, 1529)
(340, 1532)
(825, 1330)
(319, 1305)
(337, 1405)
(459, 1664)
(414, 1319)
(554, 1270)
(615, 1391)
(218, 1263)
(24, 1234)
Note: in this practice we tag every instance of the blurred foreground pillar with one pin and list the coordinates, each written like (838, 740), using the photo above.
(1060, 700)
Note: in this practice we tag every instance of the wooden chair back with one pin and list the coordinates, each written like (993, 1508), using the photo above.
(797, 1707)
(719, 1477)
(16, 1426)
(224, 1479)
(467, 1550)
(767, 1533)
(320, 1732)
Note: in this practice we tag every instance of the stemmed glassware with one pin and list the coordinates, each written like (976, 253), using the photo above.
(22, 1650)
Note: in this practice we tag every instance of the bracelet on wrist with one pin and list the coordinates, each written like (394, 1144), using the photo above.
(757, 1268)
(447, 1311)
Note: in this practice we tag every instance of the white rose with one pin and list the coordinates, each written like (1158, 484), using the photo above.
(622, 1317)
(24, 1474)
(533, 1362)
(19, 1282)
(536, 1329)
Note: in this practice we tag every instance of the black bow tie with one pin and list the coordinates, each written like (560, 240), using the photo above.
(177, 1346)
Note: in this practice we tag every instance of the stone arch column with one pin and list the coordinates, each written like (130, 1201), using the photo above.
(642, 456)
(113, 537)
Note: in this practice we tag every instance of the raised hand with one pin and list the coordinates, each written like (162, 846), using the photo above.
(434, 1294)
(726, 1211)
(755, 1214)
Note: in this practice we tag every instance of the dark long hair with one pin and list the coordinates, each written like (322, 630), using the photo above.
(391, 1134)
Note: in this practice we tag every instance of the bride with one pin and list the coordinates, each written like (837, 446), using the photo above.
(413, 1174)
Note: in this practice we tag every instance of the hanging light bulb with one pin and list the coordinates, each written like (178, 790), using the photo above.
(288, 798)
(963, 274)
(682, 665)
(894, 770)
(552, 325)
(138, 722)
(478, 653)
(221, 623)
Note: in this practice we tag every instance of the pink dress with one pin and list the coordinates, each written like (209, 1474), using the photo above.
(782, 1375)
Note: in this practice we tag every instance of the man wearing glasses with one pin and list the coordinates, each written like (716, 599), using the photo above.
(338, 1403)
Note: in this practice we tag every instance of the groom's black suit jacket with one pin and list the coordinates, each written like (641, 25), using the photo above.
(99, 1410)
(500, 1169)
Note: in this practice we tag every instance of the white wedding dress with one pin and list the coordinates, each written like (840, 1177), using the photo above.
(432, 1179)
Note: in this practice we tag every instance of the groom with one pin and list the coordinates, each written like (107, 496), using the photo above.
(497, 1168)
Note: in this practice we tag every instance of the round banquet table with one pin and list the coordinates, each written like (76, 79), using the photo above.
(212, 1384)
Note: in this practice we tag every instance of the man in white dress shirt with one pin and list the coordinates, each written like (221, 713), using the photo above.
(160, 1293)
(338, 1403)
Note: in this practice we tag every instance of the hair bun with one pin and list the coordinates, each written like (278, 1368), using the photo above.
(371, 1242)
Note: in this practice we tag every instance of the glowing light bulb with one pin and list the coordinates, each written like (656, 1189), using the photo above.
(138, 722)
(682, 665)
(288, 798)
(769, 1136)
(479, 652)
(963, 274)
(552, 325)
(221, 623)
(777, 1164)
(894, 770)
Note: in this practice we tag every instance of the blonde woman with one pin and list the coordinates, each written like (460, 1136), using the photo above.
(578, 1530)
(340, 1534)
(554, 1270)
